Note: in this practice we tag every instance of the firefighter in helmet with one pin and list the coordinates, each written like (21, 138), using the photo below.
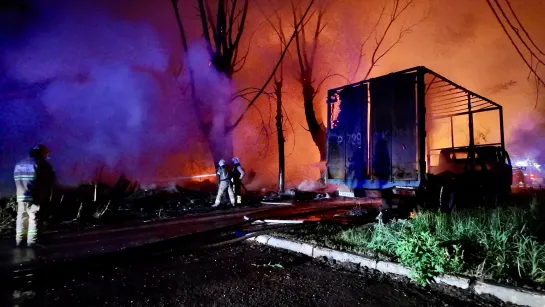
(238, 174)
(34, 180)
(224, 178)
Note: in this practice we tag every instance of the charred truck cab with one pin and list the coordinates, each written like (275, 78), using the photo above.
(415, 137)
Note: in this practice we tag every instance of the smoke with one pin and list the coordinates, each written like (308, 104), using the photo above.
(63, 53)
(527, 137)
(87, 85)
(213, 91)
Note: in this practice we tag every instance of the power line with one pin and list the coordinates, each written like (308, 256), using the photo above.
(529, 65)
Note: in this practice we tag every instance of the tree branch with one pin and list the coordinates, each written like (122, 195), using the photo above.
(231, 22)
(204, 24)
(362, 54)
(292, 130)
(397, 11)
(242, 60)
(298, 44)
(329, 75)
(295, 31)
(241, 24)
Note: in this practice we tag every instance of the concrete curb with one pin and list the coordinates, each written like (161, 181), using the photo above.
(344, 257)
(298, 247)
(509, 294)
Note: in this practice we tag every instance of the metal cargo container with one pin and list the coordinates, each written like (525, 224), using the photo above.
(380, 131)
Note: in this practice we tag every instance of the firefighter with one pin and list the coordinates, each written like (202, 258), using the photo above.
(224, 178)
(34, 181)
(238, 174)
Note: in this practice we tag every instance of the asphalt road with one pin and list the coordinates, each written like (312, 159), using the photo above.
(245, 274)
(68, 245)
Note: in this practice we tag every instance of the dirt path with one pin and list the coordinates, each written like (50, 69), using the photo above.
(239, 275)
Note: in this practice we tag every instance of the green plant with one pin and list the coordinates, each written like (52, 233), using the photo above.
(421, 252)
(269, 265)
(501, 243)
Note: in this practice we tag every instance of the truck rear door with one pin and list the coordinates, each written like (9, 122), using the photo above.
(394, 130)
(347, 136)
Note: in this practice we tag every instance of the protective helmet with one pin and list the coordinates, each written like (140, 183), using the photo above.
(235, 160)
(39, 152)
(221, 162)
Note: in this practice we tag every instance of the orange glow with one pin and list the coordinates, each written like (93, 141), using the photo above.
(459, 39)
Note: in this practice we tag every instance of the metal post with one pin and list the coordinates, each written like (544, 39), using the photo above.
(392, 129)
(328, 104)
(421, 118)
(344, 150)
(451, 132)
(501, 129)
(471, 136)
(368, 122)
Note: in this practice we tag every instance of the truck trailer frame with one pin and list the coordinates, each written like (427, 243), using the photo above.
(379, 130)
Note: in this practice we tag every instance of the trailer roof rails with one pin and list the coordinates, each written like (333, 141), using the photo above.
(445, 98)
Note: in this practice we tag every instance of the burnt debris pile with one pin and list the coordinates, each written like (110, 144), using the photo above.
(294, 195)
(100, 203)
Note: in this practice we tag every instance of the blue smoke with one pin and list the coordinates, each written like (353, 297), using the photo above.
(85, 84)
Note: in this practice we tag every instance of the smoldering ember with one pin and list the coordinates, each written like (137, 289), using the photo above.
(272, 153)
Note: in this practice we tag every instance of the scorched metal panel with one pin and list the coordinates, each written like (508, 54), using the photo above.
(347, 137)
(394, 138)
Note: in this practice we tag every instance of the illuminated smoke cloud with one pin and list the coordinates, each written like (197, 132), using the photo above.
(96, 94)
(528, 137)
(213, 90)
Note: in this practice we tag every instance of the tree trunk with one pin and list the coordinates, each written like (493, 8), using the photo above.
(220, 143)
(317, 130)
(280, 134)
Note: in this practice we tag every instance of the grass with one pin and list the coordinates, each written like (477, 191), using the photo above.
(502, 244)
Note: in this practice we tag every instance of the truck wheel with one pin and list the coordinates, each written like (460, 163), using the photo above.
(447, 202)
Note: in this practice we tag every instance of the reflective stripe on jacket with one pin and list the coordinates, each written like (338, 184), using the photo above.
(25, 177)
(33, 180)
(223, 174)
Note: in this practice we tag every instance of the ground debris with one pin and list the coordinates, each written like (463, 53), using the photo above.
(100, 203)
(356, 211)
(169, 198)
(295, 195)
(228, 277)
(8, 211)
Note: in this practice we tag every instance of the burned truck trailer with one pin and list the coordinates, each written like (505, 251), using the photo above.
(414, 133)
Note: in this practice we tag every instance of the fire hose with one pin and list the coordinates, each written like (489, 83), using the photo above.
(196, 176)
(241, 236)
(187, 177)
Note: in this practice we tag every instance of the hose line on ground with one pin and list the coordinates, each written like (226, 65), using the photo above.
(256, 233)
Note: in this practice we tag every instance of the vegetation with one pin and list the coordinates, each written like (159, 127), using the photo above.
(504, 244)
(8, 210)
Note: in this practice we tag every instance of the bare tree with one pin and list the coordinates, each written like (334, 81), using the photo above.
(279, 119)
(306, 58)
(386, 22)
(307, 47)
(223, 31)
